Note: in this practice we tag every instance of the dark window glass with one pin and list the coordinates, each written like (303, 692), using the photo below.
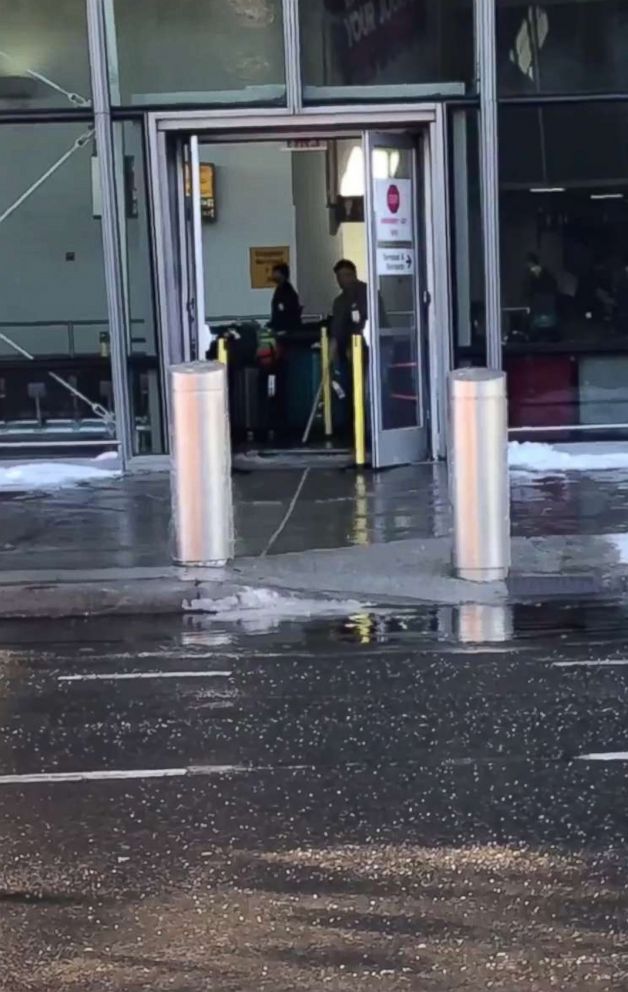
(467, 243)
(424, 46)
(197, 51)
(560, 47)
(44, 59)
(564, 226)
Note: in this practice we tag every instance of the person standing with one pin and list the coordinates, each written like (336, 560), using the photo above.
(286, 306)
(350, 308)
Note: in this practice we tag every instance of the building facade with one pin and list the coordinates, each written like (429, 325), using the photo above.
(507, 117)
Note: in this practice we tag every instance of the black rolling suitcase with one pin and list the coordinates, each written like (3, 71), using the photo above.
(250, 407)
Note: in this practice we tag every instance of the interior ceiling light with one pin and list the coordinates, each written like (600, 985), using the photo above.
(547, 189)
(255, 13)
(607, 196)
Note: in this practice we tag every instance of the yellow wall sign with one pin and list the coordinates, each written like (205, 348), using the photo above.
(263, 261)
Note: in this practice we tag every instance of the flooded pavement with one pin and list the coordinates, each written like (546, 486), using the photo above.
(404, 799)
(125, 523)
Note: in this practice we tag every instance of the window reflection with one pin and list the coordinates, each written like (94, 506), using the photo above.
(564, 46)
(422, 45)
(564, 221)
(198, 51)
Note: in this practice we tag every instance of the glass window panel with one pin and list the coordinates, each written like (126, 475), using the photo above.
(53, 303)
(197, 51)
(467, 239)
(393, 48)
(560, 47)
(44, 58)
(564, 260)
(142, 346)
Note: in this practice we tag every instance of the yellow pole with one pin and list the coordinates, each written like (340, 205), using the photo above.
(359, 419)
(223, 354)
(326, 377)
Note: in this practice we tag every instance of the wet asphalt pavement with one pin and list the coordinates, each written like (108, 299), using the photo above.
(366, 802)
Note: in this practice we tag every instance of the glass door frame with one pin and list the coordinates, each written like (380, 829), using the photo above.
(396, 445)
(168, 221)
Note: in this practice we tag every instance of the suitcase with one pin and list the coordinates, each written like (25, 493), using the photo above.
(249, 402)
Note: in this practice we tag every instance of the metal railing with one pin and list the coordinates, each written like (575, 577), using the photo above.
(70, 327)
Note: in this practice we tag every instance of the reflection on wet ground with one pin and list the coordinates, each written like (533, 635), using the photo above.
(127, 523)
(392, 799)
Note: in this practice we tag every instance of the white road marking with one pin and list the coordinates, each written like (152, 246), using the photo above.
(144, 773)
(128, 676)
(605, 756)
(590, 664)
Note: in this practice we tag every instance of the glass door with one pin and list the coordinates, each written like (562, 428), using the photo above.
(394, 333)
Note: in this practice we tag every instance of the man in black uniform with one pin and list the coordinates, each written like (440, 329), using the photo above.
(286, 306)
(350, 309)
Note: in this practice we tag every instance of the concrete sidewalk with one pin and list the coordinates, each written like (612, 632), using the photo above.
(105, 548)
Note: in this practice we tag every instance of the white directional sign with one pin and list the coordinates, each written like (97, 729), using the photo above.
(395, 261)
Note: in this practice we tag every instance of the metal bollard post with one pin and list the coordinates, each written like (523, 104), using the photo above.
(202, 504)
(478, 474)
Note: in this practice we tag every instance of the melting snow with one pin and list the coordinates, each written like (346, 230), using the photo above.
(261, 610)
(534, 457)
(51, 475)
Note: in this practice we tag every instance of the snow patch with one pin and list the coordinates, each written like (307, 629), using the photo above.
(47, 476)
(530, 456)
(262, 610)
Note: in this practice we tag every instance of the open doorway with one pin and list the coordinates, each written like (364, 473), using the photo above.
(236, 210)
(276, 219)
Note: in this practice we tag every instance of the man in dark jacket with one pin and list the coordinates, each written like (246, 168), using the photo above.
(350, 309)
(286, 306)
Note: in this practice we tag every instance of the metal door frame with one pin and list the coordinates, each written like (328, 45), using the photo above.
(411, 440)
(269, 125)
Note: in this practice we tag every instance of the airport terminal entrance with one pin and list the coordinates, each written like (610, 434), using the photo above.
(305, 261)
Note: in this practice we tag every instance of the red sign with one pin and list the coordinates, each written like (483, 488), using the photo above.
(393, 199)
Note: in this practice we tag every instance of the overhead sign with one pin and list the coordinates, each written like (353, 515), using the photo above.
(263, 261)
(305, 145)
(395, 261)
(393, 210)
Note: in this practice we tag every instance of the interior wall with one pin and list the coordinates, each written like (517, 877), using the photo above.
(317, 249)
(254, 208)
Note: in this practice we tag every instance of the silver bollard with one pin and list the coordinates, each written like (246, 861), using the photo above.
(202, 504)
(478, 474)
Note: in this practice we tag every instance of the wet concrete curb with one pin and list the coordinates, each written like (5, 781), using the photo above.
(410, 572)
(135, 597)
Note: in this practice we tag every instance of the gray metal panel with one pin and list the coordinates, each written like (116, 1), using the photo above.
(197, 245)
(114, 280)
(361, 116)
(489, 175)
(442, 311)
(292, 49)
